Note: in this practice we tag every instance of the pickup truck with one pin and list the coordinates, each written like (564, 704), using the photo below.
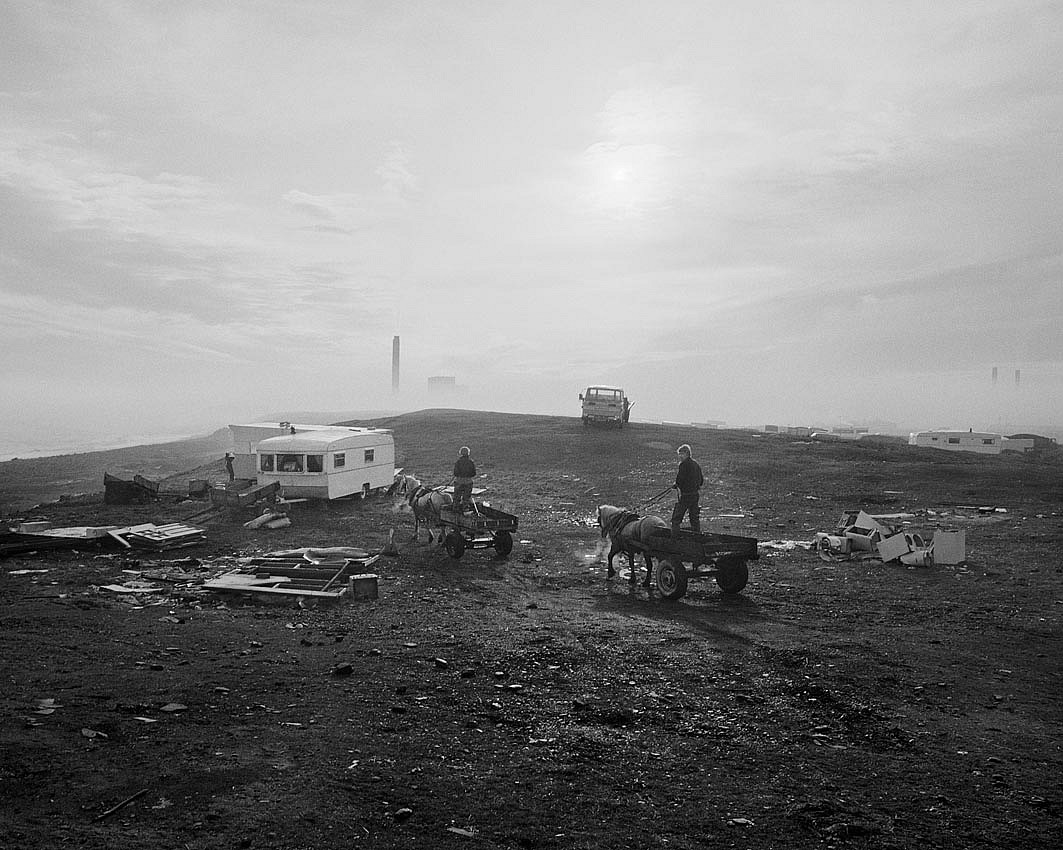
(604, 405)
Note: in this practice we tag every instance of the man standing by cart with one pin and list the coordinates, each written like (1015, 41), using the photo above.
(688, 481)
(464, 473)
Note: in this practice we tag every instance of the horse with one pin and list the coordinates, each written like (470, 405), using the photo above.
(425, 502)
(628, 533)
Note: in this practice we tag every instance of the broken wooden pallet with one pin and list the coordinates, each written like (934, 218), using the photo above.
(292, 577)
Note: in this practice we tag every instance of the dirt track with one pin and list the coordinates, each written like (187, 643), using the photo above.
(528, 702)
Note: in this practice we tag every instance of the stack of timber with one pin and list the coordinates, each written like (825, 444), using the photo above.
(294, 576)
(174, 535)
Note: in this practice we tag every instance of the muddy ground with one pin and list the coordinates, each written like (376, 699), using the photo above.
(529, 702)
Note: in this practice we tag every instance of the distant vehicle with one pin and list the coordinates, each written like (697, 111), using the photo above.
(603, 405)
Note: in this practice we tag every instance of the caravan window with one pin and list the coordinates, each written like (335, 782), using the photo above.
(315, 463)
(955, 441)
(339, 460)
(988, 442)
(290, 463)
(369, 455)
(267, 463)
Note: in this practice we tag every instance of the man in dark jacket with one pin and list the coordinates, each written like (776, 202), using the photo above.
(688, 481)
(464, 473)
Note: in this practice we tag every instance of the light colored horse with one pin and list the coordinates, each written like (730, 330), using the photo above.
(628, 533)
(424, 502)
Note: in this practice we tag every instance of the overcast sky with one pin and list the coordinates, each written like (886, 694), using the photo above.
(797, 212)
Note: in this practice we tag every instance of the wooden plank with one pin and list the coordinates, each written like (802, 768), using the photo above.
(301, 572)
(237, 580)
(278, 591)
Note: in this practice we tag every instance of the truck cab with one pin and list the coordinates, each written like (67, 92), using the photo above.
(605, 405)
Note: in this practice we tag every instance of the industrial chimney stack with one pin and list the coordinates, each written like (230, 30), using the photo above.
(395, 364)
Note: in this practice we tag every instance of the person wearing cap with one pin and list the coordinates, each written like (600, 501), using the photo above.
(464, 473)
(688, 481)
(229, 458)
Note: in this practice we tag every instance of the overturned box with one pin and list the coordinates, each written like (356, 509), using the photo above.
(363, 586)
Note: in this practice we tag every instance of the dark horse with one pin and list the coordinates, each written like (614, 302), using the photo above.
(425, 502)
(628, 533)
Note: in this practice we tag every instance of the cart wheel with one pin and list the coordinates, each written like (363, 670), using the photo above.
(503, 543)
(454, 543)
(671, 579)
(732, 576)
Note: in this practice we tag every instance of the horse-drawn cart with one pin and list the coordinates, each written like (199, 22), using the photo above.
(723, 556)
(480, 528)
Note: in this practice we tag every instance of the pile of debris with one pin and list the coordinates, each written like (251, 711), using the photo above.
(36, 536)
(174, 535)
(860, 536)
(305, 575)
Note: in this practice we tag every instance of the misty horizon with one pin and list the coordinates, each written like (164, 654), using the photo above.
(811, 213)
(71, 442)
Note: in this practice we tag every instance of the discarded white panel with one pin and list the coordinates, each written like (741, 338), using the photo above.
(861, 542)
(950, 547)
(891, 548)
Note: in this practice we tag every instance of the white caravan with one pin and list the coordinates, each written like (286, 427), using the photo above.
(328, 464)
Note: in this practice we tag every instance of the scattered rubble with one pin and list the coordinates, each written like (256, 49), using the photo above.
(861, 536)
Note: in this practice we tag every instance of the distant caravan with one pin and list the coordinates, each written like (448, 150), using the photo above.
(604, 405)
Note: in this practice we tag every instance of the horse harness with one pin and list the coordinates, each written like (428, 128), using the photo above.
(621, 521)
(417, 492)
(421, 490)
